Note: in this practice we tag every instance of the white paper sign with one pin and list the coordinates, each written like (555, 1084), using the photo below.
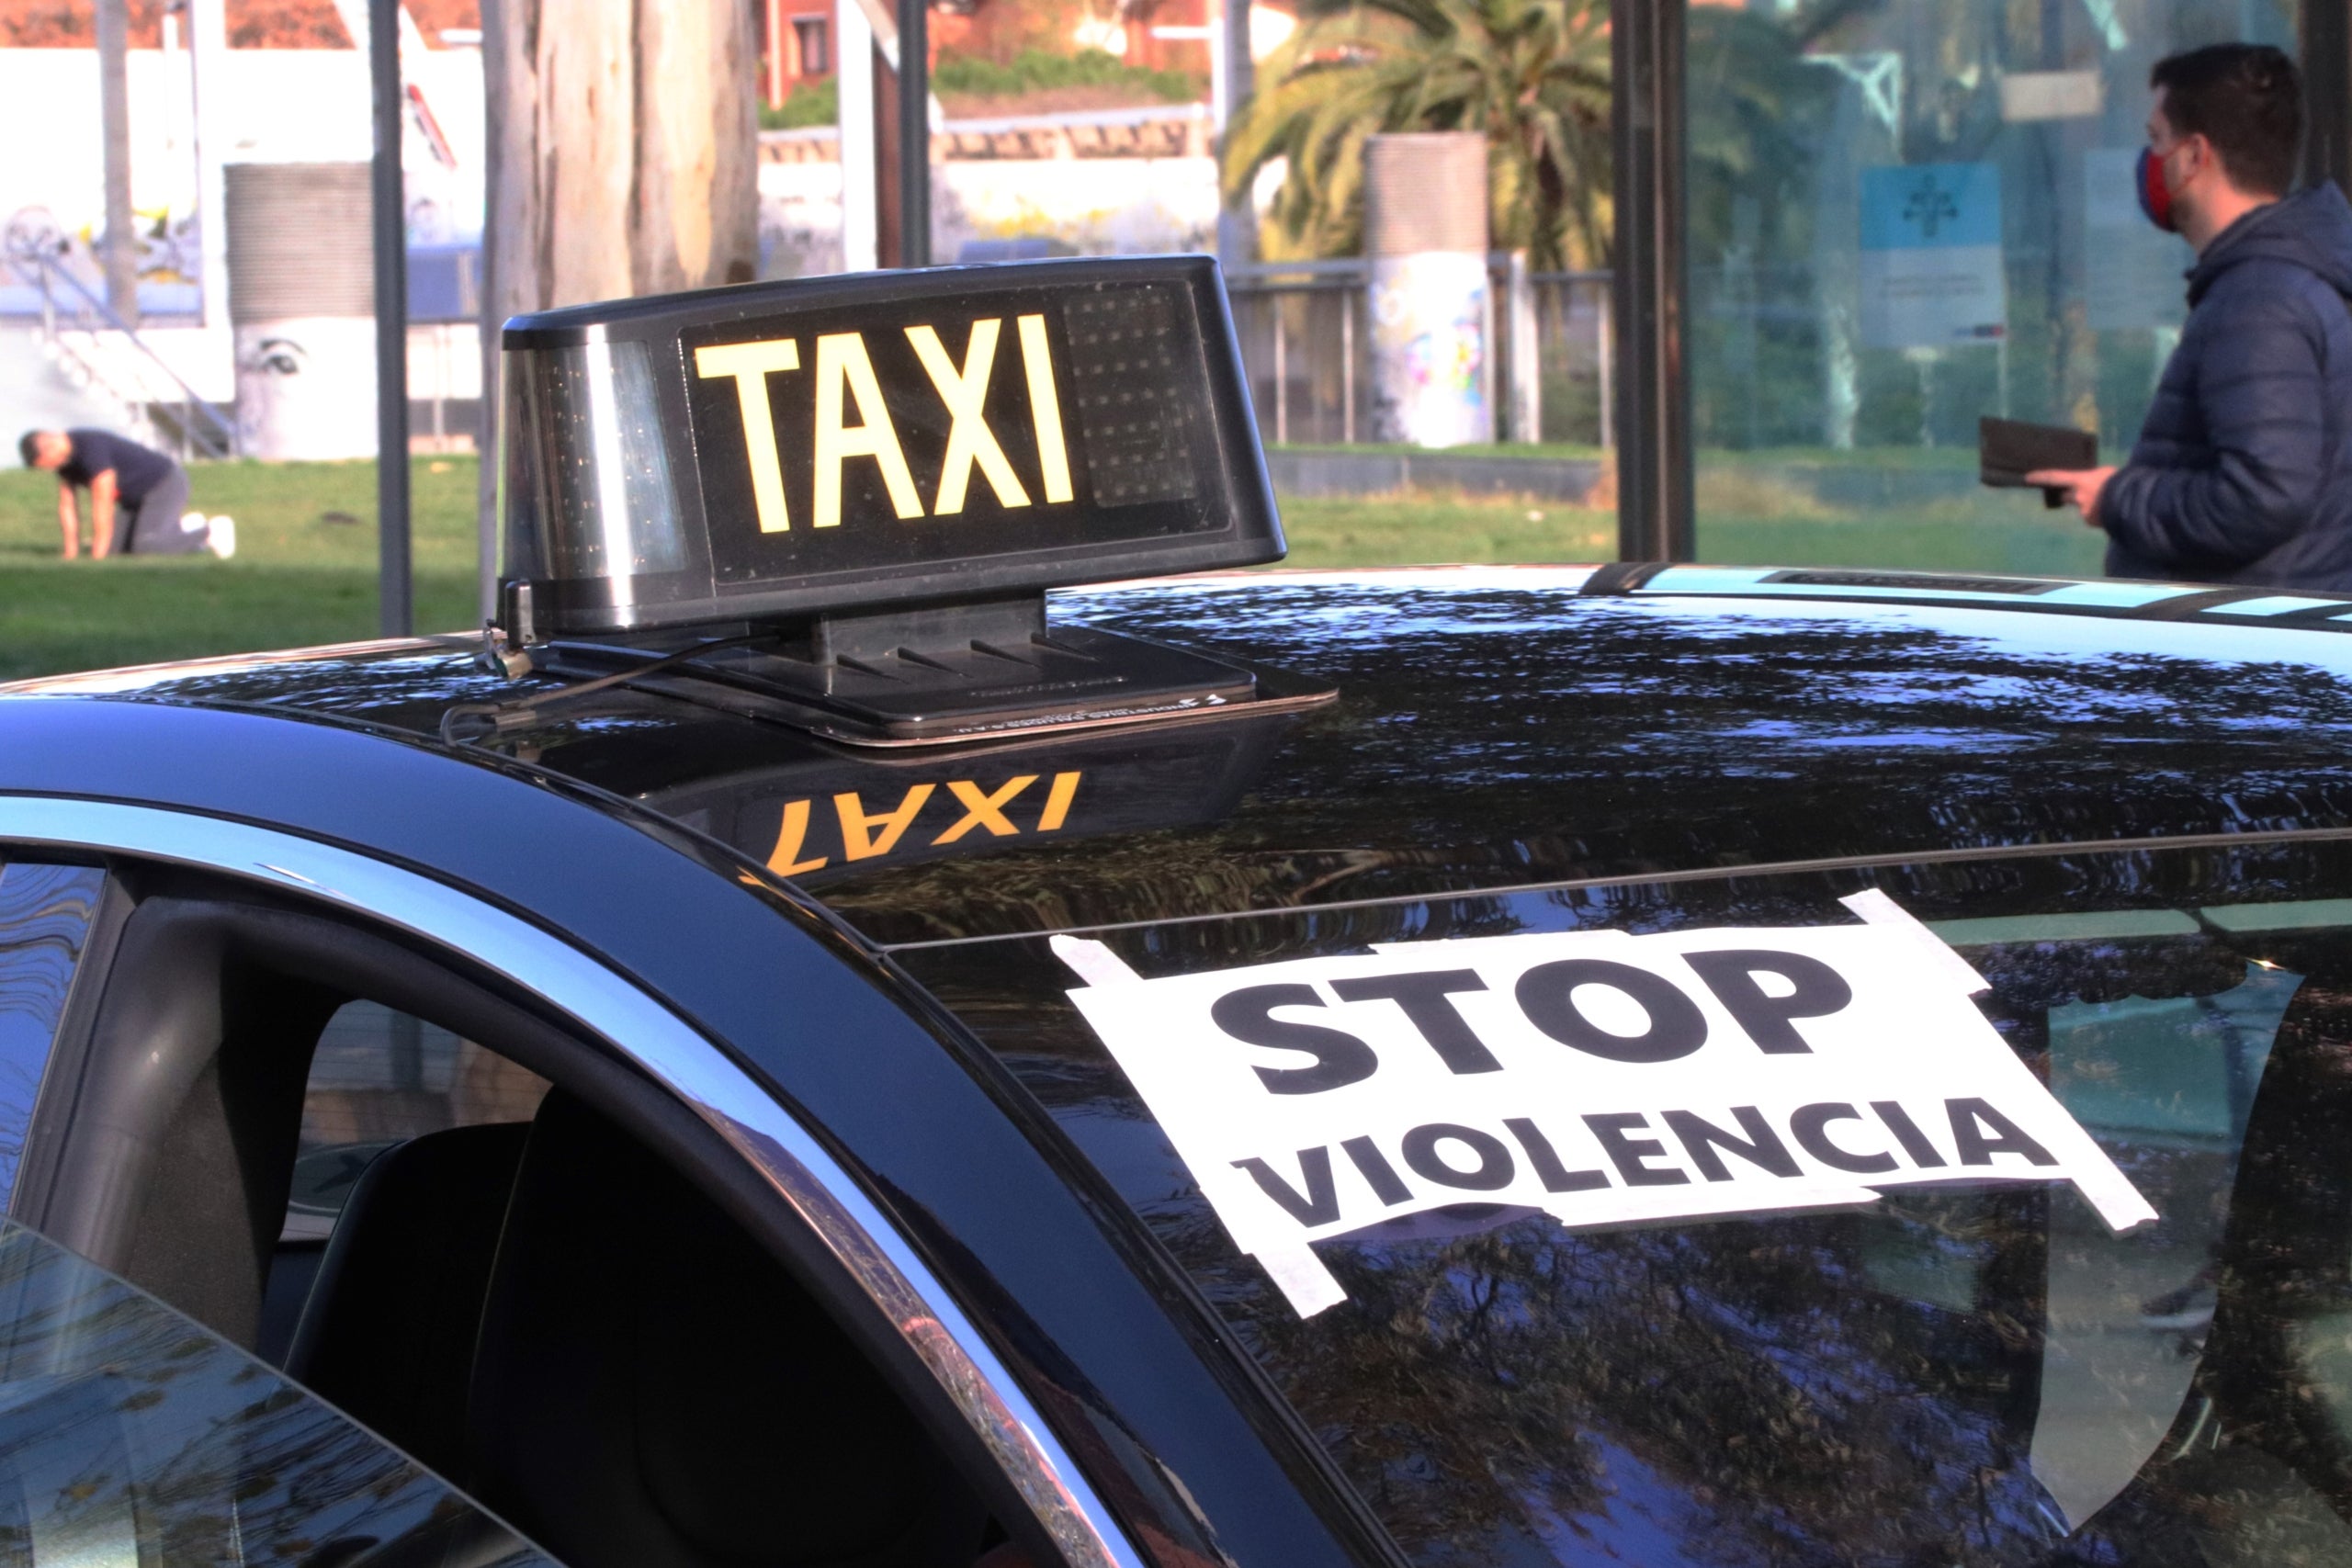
(1931, 268)
(1597, 1076)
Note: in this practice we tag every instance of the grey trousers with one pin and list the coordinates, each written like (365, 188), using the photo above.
(153, 527)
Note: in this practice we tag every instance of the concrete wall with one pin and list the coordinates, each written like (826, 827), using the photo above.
(275, 105)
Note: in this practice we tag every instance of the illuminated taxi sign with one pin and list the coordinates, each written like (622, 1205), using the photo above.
(845, 383)
(817, 446)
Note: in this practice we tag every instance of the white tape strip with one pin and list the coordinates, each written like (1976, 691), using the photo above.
(1876, 909)
(1305, 1283)
(1092, 961)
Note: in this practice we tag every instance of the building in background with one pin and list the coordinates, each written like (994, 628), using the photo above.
(798, 48)
(285, 85)
(1116, 163)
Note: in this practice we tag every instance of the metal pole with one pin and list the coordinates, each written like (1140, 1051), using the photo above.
(121, 256)
(1525, 360)
(1282, 375)
(396, 610)
(1654, 513)
(2326, 27)
(1489, 345)
(1348, 366)
(1605, 363)
(494, 291)
(914, 132)
(854, 75)
(776, 24)
(1237, 225)
(207, 47)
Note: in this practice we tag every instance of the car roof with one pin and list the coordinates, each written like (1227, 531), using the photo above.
(1494, 728)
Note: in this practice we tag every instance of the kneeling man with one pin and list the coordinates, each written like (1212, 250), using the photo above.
(138, 497)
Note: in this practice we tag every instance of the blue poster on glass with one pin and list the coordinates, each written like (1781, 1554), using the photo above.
(1931, 256)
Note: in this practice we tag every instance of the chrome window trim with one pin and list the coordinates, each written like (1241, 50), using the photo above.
(676, 1054)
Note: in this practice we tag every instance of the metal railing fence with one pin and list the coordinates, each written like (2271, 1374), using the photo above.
(68, 306)
(1305, 345)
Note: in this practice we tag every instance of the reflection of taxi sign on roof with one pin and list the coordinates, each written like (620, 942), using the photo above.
(868, 482)
(831, 814)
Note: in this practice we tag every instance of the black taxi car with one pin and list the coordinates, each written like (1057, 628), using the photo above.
(754, 1062)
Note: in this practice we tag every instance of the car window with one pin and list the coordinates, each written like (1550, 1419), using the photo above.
(1974, 1371)
(503, 1276)
(45, 913)
(130, 1434)
(378, 1077)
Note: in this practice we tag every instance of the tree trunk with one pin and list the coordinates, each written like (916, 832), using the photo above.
(120, 254)
(697, 202)
(622, 159)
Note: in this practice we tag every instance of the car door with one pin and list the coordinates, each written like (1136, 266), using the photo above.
(1043, 1320)
(130, 1433)
(288, 1176)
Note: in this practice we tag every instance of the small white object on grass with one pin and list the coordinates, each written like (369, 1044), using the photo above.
(220, 533)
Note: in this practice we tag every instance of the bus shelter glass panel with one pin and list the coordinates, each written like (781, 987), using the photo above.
(1904, 214)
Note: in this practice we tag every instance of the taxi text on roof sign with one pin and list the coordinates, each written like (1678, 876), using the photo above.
(844, 382)
(820, 446)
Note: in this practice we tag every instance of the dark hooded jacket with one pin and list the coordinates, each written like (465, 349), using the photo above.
(2242, 472)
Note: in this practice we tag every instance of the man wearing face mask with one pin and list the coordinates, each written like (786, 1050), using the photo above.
(2243, 471)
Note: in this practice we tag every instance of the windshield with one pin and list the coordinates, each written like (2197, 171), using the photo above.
(1992, 1368)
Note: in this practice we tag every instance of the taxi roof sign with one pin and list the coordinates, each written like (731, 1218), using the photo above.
(833, 445)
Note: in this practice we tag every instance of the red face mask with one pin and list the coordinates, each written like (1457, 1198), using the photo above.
(2155, 196)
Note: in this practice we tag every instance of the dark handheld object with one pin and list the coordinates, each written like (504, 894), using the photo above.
(2008, 449)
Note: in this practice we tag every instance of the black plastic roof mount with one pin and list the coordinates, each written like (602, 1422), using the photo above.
(939, 675)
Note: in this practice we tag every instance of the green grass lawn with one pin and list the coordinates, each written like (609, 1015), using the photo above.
(1754, 512)
(1749, 514)
(1960, 458)
(300, 578)
(2033, 544)
(1415, 530)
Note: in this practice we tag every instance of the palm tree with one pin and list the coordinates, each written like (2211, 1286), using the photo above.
(1760, 101)
(1532, 75)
